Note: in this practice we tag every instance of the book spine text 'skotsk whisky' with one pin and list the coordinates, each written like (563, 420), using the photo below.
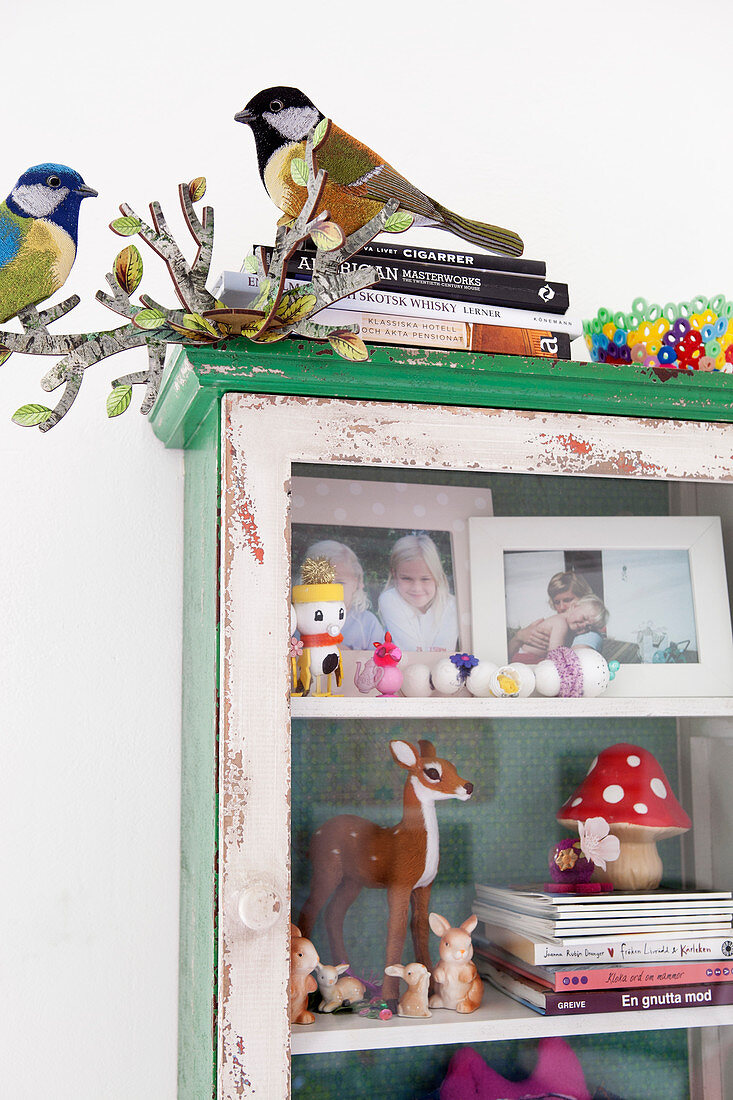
(237, 289)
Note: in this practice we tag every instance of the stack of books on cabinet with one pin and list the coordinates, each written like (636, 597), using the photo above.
(439, 298)
(570, 954)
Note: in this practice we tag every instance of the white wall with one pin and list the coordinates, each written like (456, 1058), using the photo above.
(599, 131)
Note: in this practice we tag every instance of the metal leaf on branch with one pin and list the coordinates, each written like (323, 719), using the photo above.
(328, 236)
(399, 222)
(349, 346)
(295, 305)
(30, 416)
(299, 171)
(197, 323)
(128, 269)
(319, 134)
(270, 336)
(195, 328)
(126, 226)
(197, 188)
(265, 296)
(118, 401)
(149, 319)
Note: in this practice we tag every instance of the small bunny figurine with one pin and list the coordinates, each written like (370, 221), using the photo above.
(455, 978)
(335, 990)
(414, 1001)
(303, 961)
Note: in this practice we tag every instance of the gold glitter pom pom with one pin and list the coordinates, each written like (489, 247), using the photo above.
(318, 571)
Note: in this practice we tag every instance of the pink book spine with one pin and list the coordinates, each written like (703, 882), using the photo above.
(639, 976)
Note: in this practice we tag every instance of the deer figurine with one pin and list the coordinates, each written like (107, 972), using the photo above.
(337, 988)
(349, 853)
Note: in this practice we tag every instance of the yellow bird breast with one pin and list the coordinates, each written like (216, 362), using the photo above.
(63, 247)
(346, 205)
(280, 185)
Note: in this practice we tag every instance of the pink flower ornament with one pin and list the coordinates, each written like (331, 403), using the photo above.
(296, 647)
(596, 842)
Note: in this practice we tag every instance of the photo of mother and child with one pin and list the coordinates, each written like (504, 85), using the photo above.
(579, 618)
(415, 603)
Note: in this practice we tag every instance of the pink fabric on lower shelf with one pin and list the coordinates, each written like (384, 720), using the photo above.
(558, 1071)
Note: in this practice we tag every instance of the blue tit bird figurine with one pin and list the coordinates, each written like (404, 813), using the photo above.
(360, 181)
(38, 233)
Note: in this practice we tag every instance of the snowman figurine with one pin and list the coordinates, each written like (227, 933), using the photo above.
(320, 611)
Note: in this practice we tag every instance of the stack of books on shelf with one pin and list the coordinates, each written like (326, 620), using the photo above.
(570, 954)
(439, 298)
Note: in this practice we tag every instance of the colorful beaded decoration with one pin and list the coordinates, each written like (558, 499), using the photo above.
(694, 335)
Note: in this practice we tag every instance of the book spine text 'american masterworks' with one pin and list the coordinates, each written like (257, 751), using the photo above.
(491, 287)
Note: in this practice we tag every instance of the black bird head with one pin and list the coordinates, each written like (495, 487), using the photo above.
(278, 116)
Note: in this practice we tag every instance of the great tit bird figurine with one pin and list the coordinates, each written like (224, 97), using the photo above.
(360, 182)
(38, 234)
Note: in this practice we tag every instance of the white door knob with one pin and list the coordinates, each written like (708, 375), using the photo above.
(259, 905)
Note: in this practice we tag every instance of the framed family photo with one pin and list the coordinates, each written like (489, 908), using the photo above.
(401, 552)
(643, 590)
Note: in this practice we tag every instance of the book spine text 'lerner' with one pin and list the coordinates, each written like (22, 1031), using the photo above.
(237, 289)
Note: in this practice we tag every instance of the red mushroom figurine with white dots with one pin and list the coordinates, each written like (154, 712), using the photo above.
(626, 785)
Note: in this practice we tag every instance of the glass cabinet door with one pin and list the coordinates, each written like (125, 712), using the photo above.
(295, 469)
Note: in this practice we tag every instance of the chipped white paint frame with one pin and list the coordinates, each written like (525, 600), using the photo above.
(700, 536)
(262, 436)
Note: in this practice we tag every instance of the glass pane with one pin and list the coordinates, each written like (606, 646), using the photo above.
(522, 770)
(641, 1066)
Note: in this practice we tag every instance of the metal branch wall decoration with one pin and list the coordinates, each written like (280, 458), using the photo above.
(275, 313)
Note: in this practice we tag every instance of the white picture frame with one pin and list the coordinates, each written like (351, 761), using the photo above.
(502, 550)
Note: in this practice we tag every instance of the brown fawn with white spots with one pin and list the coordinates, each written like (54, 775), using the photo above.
(349, 853)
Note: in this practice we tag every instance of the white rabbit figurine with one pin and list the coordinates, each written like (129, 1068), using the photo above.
(455, 978)
(335, 990)
(414, 1001)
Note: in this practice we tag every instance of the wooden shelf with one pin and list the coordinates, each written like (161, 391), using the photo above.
(378, 708)
(499, 1017)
